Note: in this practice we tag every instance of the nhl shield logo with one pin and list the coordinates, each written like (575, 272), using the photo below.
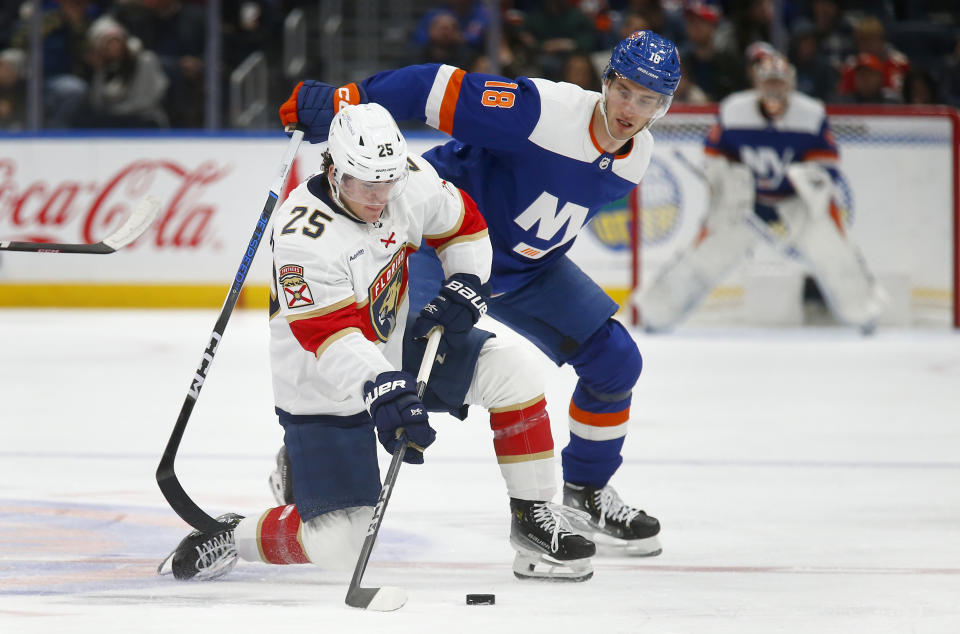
(295, 288)
(385, 293)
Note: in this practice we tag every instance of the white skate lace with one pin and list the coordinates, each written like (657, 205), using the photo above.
(613, 507)
(216, 556)
(557, 518)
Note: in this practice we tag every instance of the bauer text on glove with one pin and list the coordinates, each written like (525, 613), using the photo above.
(457, 308)
(393, 404)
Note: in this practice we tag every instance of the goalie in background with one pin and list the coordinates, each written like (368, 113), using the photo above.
(771, 163)
(344, 350)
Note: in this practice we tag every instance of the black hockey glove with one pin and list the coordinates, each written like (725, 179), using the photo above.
(393, 403)
(457, 308)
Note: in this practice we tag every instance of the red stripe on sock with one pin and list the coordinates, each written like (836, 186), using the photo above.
(278, 536)
(522, 431)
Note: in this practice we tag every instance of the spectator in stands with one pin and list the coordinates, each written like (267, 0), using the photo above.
(716, 71)
(871, 40)
(176, 32)
(579, 70)
(64, 32)
(950, 77)
(558, 28)
(12, 89)
(472, 19)
(834, 32)
(753, 24)
(815, 75)
(667, 21)
(869, 82)
(687, 91)
(445, 44)
(919, 88)
(128, 83)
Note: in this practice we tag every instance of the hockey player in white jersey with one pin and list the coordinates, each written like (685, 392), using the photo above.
(342, 352)
(771, 162)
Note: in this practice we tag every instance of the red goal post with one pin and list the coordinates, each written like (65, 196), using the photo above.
(900, 195)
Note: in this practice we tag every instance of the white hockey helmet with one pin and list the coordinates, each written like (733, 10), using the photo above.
(369, 155)
(774, 79)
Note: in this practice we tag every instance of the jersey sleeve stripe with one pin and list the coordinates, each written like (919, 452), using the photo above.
(335, 337)
(481, 235)
(437, 93)
(449, 105)
(319, 312)
(820, 155)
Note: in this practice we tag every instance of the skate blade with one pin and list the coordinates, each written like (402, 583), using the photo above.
(544, 568)
(614, 546)
(166, 566)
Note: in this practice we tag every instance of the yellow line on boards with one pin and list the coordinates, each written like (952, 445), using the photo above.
(60, 295)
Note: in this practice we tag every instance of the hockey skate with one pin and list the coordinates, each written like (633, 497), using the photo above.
(281, 481)
(547, 548)
(613, 525)
(204, 556)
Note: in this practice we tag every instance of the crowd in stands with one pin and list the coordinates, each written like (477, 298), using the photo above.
(140, 63)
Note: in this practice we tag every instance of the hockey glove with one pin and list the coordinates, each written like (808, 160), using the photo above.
(457, 308)
(393, 404)
(312, 105)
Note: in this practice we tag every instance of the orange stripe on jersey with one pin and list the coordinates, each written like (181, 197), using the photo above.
(472, 225)
(598, 420)
(837, 218)
(449, 104)
(712, 151)
(278, 536)
(522, 432)
(593, 139)
(820, 155)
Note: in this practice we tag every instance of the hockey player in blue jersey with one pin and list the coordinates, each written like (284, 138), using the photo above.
(771, 164)
(541, 159)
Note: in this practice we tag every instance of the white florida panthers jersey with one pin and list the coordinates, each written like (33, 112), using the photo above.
(339, 294)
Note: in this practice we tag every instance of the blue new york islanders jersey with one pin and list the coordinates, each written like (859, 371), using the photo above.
(768, 146)
(524, 150)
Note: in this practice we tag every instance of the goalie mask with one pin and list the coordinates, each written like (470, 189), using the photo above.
(774, 78)
(369, 156)
(651, 67)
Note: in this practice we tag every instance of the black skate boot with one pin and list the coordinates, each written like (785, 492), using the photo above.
(204, 556)
(612, 523)
(281, 480)
(547, 548)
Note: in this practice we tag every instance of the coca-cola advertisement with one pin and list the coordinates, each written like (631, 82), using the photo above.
(79, 190)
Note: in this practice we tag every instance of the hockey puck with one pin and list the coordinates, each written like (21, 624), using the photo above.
(481, 599)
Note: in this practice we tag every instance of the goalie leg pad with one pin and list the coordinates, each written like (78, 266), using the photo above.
(686, 281)
(849, 288)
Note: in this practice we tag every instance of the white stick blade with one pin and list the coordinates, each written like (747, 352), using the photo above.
(142, 217)
(387, 599)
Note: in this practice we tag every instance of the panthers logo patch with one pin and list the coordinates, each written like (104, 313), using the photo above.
(385, 294)
(296, 291)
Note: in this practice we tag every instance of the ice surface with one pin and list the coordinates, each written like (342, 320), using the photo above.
(806, 480)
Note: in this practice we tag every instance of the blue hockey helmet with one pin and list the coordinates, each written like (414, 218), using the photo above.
(648, 60)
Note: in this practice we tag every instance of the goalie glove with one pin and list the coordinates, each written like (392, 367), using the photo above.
(394, 405)
(456, 309)
(312, 105)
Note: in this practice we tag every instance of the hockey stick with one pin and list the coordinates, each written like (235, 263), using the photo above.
(388, 598)
(143, 215)
(166, 477)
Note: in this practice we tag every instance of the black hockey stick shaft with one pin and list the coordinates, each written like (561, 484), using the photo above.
(358, 597)
(142, 217)
(167, 479)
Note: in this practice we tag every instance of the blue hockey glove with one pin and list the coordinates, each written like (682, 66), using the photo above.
(312, 105)
(393, 403)
(457, 308)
